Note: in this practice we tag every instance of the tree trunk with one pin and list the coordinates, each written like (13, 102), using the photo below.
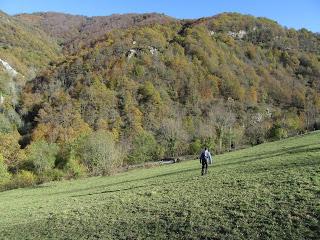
(220, 140)
(230, 149)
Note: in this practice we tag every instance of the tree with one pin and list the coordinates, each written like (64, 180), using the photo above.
(257, 125)
(173, 136)
(4, 175)
(223, 118)
(149, 93)
(42, 155)
(99, 153)
(5, 125)
(277, 132)
(312, 109)
(70, 161)
(144, 148)
(195, 146)
(23, 179)
(252, 96)
(10, 149)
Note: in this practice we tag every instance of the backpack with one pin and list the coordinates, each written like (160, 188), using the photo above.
(203, 156)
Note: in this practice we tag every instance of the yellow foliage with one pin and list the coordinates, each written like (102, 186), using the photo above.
(252, 95)
(57, 133)
(10, 148)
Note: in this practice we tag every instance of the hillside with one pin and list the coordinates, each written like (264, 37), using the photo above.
(176, 80)
(270, 191)
(26, 48)
(128, 89)
(73, 31)
(24, 51)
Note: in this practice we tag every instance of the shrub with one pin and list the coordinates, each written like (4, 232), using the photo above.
(10, 149)
(256, 133)
(73, 167)
(50, 175)
(4, 175)
(5, 125)
(139, 71)
(209, 143)
(277, 132)
(144, 148)
(173, 137)
(22, 179)
(42, 155)
(195, 146)
(99, 153)
(149, 93)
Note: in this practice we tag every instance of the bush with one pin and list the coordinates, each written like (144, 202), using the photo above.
(10, 149)
(4, 175)
(209, 143)
(99, 153)
(42, 155)
(173, 137)
(73, 167)
(22, 179)
(195, 147)
(277, 132)
(5, 125)
(50, 175)
(144, 148)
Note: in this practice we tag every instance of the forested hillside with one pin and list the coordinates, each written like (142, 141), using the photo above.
(138, 92)
(24, 51)
(75, 31)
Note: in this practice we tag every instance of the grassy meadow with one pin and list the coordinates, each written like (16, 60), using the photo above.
(271, 191)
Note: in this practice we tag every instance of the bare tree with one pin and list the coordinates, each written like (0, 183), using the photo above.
(224, 119)
(312, 110)
(172, 132)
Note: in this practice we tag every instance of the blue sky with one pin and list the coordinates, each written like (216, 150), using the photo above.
(294, 13)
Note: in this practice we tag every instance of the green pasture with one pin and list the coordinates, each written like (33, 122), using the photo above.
(271, 191)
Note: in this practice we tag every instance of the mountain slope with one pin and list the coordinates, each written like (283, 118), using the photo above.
(73, 30)
(24, 47)
(24, 51)
(149, 85)
(271, 190)
(179, 78)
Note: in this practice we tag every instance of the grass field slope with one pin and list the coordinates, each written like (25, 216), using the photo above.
(270, 191)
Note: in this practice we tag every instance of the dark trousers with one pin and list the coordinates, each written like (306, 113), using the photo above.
(204, 168)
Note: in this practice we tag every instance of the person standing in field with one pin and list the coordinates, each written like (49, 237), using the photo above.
(204, 161)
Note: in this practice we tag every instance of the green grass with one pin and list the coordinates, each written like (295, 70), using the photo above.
(270, 191)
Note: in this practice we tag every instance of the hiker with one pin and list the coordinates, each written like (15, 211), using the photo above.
(203, 160)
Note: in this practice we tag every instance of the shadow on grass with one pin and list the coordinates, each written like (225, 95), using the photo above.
(283, 166)
(285, 150)
(128, 181)
(259, 157)
(141, 186)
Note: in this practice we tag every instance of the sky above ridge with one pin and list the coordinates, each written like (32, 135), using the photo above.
(294, 13)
